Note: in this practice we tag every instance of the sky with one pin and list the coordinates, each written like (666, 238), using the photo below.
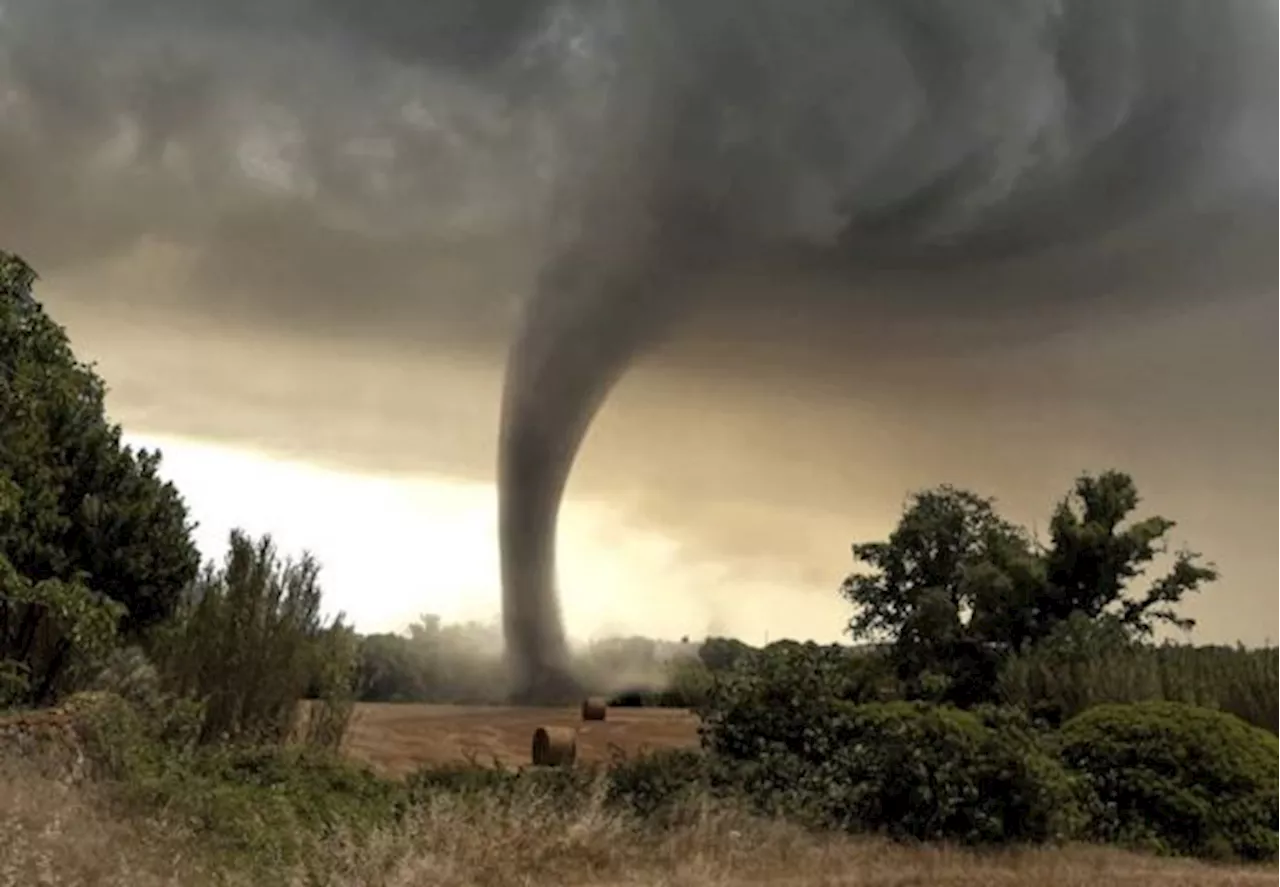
(700, 508)
(296, 247)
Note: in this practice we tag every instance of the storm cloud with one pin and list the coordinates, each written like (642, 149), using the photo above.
(848, 243)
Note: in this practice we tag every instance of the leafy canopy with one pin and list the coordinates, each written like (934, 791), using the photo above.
(84, 520)
(955, 589)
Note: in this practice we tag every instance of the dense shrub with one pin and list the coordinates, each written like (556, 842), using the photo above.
(249, 641)
(559, 788)
(660, 784)
(1177, 778)
(910, 770)
(652, 785)
(776, 695)
(255, 803)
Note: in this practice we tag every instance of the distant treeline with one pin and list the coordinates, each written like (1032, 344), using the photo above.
(462, 664)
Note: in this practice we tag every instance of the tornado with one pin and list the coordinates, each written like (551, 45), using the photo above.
(633, 180)
(824, 167)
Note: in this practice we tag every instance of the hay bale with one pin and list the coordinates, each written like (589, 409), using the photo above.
(594, 709)
(554, 746)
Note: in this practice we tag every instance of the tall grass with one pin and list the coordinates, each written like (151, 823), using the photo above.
(1061, 681)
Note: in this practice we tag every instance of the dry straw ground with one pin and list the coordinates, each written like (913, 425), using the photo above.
(61, 835)
(397, 739)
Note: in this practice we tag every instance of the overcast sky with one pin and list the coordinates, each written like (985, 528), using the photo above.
(305, 244)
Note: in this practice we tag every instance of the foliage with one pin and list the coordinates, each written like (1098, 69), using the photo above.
(1177, 778)
(460, 664)
(950, 568)
(553, 788)
(1090, 662)
(81, 516)
(128, 673)
(956, 590)
(260, 803)
(909, 770)
(53, 635)
(390, 668)
(1092, 559)
(776, 694)
(724, 654)
(662, 785)
(807, 737)
(689, 683)
(250, 642)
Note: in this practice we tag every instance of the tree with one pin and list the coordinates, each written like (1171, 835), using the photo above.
(83, 510)
(951, 558)
(956, 588)
(722, 654)
(1092, 560)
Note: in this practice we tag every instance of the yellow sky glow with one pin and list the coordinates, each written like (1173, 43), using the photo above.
(392, 548)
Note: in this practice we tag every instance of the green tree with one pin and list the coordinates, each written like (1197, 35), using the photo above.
(950, 567)
(82, 510)
(1093, 558)
(956, 589)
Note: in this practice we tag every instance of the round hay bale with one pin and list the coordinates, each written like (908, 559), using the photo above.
(554, 746)
(594, 709)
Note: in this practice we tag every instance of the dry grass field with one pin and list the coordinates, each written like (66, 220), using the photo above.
(60, 835)
(396, 739)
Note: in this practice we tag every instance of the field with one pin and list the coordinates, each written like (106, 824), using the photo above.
(62, 835)
(396, 739)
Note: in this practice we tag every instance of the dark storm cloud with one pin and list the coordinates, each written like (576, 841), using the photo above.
(316, 166)
(883, 174)
(836, 200)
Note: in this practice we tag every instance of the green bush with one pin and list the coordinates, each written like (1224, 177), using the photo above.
(556, 787)
(248, 641)
(261, 804)
(934, 772)
(1176, 778)
(909, 770)
(661, 784)
(656, 785)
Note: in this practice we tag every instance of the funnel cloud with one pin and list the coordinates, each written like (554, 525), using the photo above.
(732, 189)
(1009, 163)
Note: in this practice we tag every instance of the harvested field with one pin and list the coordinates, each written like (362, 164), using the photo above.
(396, 739)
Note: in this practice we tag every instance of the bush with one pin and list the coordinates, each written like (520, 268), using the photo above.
(934, 772)
(661, 784)
(249, 641)
(560, 788)
(657, 785)
(775, 696)
(909, 770)
(1176, 778)
(264, 804)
